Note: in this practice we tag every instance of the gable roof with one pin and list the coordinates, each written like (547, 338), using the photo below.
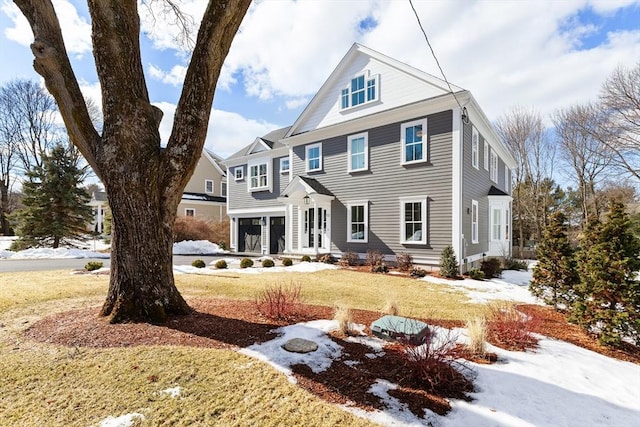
(439, 85)
(270, 141)
(308, 185)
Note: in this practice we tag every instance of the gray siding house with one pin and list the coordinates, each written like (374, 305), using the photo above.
(385, 158)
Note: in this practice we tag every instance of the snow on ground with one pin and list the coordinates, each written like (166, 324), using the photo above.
(234, 265)
(197, 247)
(122, 421)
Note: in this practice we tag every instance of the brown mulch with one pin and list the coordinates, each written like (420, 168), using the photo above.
(231, 324)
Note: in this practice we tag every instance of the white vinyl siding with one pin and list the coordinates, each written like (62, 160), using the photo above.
(414, 141)
(474, 221)
(475, 141)
(413, 215)
(313, 155)
(358, 149)
(361, 90)
(358, 222)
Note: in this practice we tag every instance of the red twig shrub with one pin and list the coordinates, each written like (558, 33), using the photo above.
(511, 329)
(280, 302)
(435, 365)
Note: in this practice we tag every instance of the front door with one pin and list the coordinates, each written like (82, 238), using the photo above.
(276, 234)
(315, 228)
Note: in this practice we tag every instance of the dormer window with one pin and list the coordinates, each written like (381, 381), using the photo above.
(361, 90)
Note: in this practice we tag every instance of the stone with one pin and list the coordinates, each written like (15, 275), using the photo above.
(300, 345)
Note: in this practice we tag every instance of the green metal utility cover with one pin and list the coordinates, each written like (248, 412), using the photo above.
(401, 328)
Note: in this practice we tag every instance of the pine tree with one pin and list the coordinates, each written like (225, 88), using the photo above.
(55, 205)
(609, 303)
(448, 263)
(555, 274)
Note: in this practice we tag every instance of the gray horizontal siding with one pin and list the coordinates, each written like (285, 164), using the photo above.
(242, 198)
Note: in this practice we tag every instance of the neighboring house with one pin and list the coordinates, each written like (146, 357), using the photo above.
(383, 158)
(205, 195)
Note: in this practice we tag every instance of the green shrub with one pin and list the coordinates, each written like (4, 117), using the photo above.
(93, 265)
(305, 258)
(476, 274)
(287, 262)
(221, 264)
(417, 272)
(514, 264)
(198, 263)
(326, 259)
(21, 244)
(491, 268)
(267, 263)
(349, 259)
(404, 262)
(246, 263)
(448, 263)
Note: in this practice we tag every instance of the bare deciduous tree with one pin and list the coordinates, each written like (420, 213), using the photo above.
(588, 158)
(144, 184)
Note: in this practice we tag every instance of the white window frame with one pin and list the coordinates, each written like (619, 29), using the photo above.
(223, 189)
(474, 222)
(350, 139)
(238, 173)
(307, 149)
(257, 163)
(485, 158)
(282, 161)
(475, 147)
(493, 166)
(403, 142)
(365, 238)
(192, 210)
(346, 93)
(208, 183)
(423, 201)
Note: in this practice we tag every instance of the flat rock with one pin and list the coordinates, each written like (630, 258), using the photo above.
(300, 345)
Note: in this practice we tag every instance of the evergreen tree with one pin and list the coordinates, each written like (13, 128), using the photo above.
(448, 263)
(609, 302)
(55, 205)
(555, 275)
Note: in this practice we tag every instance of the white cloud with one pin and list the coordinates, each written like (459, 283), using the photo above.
(174, 77)
(76, 31)
(228, 132)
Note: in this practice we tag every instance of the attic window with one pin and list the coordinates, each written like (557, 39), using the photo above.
(361, 90)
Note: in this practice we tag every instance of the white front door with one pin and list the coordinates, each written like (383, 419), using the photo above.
(315, 228)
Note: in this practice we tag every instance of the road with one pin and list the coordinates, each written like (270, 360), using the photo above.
(13, 265)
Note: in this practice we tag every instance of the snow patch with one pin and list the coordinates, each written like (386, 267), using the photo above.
(121, 421)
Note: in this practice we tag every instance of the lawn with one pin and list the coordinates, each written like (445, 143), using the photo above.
(54, 385)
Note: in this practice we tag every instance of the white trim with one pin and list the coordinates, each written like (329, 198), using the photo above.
(206, 186)
(365, 136)
(256, 211)
(475, 148)
(282, 159)
(423, 220)
(366, 78)
(457, 137)
(365, 204)
(237, 169)
(193, 214)
(306, 157)
(403, 152)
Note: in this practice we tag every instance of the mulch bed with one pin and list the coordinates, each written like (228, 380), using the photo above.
(231, 324)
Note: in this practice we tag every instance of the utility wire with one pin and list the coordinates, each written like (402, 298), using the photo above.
(434, 54)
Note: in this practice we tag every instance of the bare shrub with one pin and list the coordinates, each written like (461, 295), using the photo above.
(511, 329)
(220, 232)
(435, 365)
(391, 307)
(404, 262)
(374, 257)
(280, 301)
(325, 259)
(477, 332)
(191, 228)
(342, 314)
(349, 259)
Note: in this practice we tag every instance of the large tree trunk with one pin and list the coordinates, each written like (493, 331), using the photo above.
(144, 184)
(5, 228)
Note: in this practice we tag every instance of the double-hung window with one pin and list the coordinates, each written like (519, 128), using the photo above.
(208, 186)
(358, 223)
(238, 173)
(413, 228)
(496, 224)
(475, 142)
(314, 157)
(358, 148)
(284, 165)
(493, 166)
(414, 141)
(474, 221)
(223, 189)
(360, 90)
(259, 176)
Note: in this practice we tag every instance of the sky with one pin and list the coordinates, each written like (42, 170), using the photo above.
(555, 384)
(537, 54)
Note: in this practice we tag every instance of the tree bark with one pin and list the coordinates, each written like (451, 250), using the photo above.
(144, 184)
